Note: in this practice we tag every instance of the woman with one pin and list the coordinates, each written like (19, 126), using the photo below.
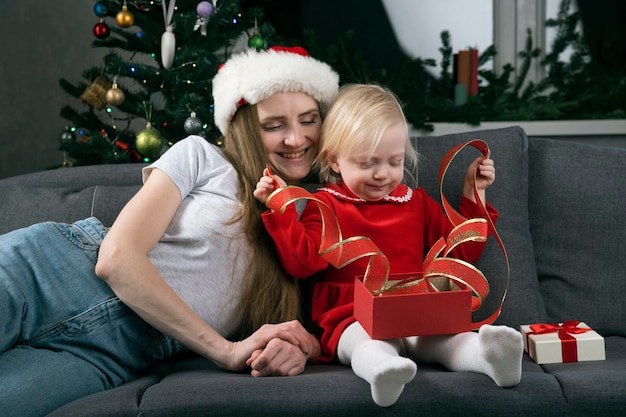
(179, 267)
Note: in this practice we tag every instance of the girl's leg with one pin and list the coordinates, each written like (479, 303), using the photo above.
(376, 361)
(495, 351)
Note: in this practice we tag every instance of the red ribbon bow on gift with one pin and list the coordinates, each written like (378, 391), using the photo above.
(565, 331)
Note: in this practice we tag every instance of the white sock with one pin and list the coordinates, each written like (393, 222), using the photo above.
(501, 348)
(377, 362)
(495, 351)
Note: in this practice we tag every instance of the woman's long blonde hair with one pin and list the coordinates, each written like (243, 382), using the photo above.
(269, 295)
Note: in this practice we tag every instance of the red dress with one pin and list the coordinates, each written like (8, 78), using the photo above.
(404, 226)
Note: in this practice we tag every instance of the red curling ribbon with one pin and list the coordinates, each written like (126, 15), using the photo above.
(458, 219)
(565, 331)
(340, 252)
(337, 251)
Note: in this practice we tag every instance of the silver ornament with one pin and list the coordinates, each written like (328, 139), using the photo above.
(193, 125)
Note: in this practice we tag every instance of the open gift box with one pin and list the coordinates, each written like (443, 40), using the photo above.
(571, 341)
(404, 313)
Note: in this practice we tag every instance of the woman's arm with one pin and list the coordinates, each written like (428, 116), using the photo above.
(123, 263)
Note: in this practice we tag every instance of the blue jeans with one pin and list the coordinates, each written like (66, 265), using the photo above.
(63, 332)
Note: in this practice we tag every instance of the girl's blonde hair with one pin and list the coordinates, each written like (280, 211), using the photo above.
(269, 295)
(355, 123)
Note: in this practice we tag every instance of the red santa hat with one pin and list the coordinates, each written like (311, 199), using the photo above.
(253, 76)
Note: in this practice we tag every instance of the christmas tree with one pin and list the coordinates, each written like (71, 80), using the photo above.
(153, 87)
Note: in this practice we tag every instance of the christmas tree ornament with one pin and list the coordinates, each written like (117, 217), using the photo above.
(193, 124)
(114, 96)
(149, 141)
(204, 9)
(101, 30)
(168, 40)
(124, 18)
(67, 136)
(99, 9)
(121, 145)
(95, 93)
(256, 41)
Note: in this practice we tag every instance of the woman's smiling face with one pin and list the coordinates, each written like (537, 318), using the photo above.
(290, 125)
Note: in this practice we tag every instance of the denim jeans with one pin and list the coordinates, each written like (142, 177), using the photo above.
(63, 332)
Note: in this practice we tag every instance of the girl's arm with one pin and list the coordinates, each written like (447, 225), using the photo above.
(124, 265)
(297, 245)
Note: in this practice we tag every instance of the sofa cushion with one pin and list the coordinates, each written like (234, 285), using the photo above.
(508, 194)
(587, 384)
(66, 195)
(196, 387)
(577, 197)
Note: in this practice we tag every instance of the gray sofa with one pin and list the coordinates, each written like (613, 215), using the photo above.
(562, 219)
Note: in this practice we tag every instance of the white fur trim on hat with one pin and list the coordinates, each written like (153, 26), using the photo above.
(253, 76)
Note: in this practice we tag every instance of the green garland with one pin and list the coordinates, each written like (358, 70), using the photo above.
(577, 89)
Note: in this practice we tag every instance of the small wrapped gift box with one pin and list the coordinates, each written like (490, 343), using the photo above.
(406, 313)
(571, 341)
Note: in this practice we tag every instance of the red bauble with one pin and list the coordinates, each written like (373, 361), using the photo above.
(101, 30)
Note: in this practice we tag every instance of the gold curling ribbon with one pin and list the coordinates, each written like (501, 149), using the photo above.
(340, 252)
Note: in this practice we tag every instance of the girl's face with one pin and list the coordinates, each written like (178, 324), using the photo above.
(290, 126)
(373, 177)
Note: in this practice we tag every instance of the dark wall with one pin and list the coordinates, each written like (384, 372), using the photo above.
(331, 19)
(43, 42)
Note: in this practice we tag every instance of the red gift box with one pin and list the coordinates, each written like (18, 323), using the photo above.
(404, 313)
(571, 341)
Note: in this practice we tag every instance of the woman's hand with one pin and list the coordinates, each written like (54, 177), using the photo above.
(279, 358)
(481, 174)
(275, 349)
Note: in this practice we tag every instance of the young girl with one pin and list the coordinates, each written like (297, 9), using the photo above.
(363, 148)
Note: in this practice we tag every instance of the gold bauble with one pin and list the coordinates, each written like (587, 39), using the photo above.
(124, 18)
(114, 96)
(149, 142)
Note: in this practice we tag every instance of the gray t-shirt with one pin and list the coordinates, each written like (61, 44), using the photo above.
(201, 257)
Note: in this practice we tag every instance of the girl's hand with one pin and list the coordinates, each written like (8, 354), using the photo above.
(483, 171)
(267, 184)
